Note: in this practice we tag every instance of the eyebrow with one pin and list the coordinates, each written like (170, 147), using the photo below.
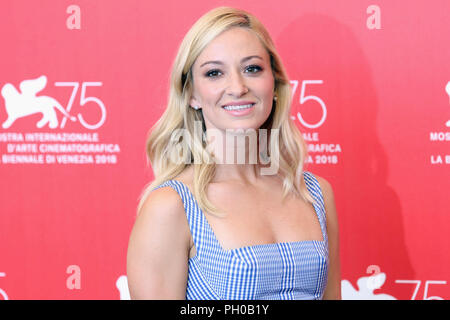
(221, 63)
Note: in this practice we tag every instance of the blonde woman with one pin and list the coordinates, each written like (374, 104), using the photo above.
(213, 227)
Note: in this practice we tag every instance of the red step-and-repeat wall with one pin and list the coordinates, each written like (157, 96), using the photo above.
(83, 81)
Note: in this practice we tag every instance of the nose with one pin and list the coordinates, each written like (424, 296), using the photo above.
(236, 85)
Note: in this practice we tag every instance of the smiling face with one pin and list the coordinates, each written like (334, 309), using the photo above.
(234, 68)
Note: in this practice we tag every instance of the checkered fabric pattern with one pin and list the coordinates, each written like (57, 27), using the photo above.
(287, 270)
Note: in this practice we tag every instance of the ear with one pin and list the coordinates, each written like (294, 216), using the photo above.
(194, 103)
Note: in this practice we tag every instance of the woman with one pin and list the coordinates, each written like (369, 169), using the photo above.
(211, 228)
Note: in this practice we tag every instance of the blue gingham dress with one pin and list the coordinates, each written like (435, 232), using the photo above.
(287, 270)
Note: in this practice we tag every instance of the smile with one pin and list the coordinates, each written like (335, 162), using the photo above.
(240, 110)
(242, 107)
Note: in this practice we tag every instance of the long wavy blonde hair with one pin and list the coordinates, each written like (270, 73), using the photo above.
(178, 115)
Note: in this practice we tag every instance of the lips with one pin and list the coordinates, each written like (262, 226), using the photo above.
(238, 103)
(239, 111)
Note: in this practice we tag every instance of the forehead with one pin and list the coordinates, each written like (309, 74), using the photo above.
(236, 42)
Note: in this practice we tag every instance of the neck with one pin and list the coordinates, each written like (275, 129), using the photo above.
(237, 155)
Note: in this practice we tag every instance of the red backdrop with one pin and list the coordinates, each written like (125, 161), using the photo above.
(370, 96)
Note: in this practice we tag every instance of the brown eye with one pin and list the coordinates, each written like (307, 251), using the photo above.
(212, 73)
(254, 69)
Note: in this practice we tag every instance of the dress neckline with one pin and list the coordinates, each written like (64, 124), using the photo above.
(254, 246)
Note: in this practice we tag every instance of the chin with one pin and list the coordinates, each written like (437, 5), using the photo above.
(244, 127)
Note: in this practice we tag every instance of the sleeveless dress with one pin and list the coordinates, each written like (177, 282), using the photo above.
(274, 271)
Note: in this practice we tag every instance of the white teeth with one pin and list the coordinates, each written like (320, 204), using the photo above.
(238, 107)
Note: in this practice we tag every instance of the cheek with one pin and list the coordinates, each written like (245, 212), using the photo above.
(266, 89)
(267, 83)
(209, 92)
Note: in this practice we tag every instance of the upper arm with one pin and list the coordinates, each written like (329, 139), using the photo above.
(333, 288)
(157, 257)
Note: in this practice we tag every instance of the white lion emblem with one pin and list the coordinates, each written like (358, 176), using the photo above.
(366, 286)
(23, 104)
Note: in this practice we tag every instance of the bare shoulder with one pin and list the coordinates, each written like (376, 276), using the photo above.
(325, 186)
(328, 197)
(163, 205)
(158, 248)
(333, 288)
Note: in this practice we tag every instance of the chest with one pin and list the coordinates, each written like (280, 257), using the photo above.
(260, 216)
(275, 271)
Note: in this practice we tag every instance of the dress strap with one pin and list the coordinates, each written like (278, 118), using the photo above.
(193, 214)
(313, 186)
(201, 232)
